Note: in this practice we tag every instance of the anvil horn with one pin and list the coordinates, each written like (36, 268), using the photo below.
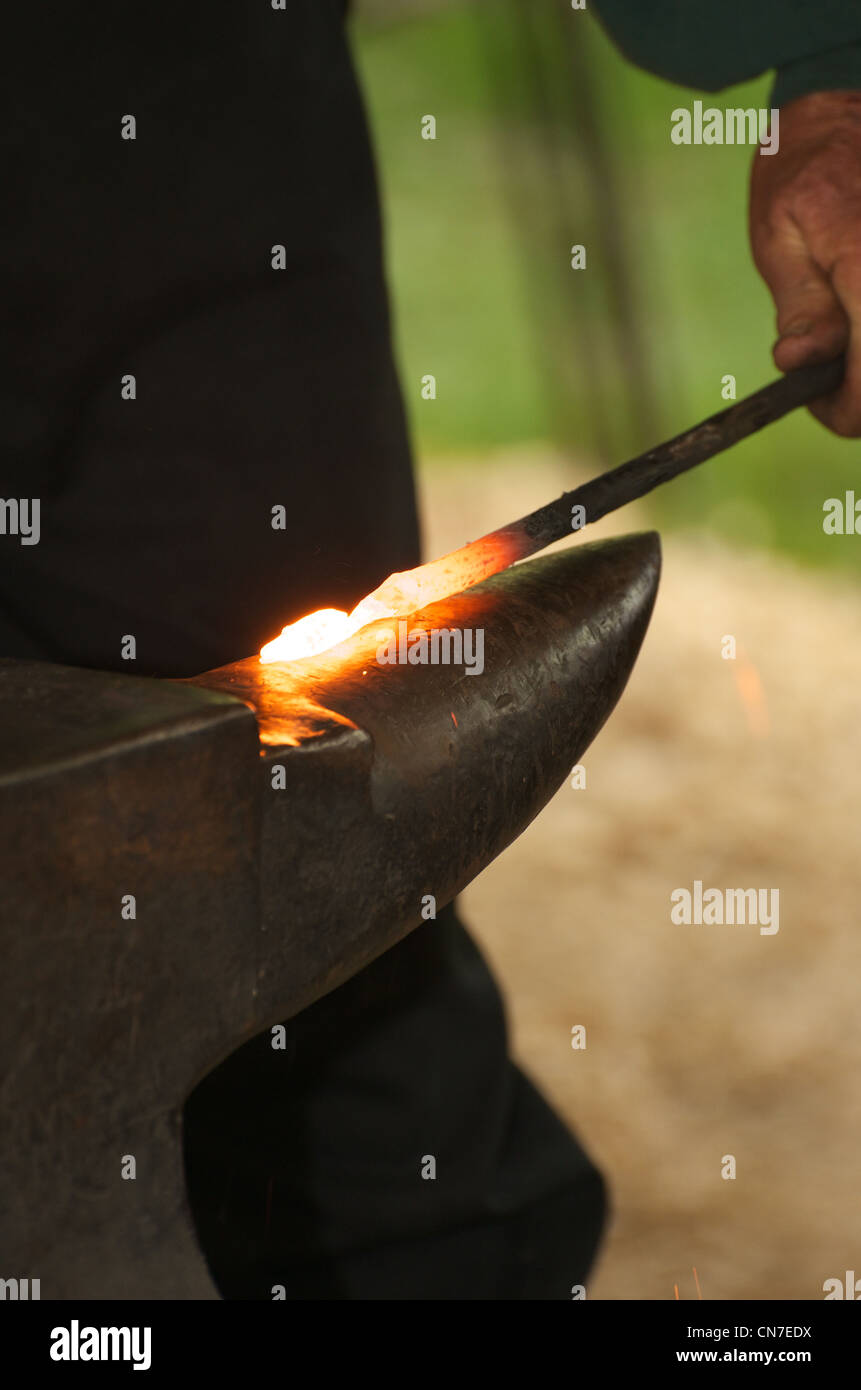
(169, 892)
(417, 777)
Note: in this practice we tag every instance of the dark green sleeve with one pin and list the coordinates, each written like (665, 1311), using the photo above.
(838, 69)
(815, 45)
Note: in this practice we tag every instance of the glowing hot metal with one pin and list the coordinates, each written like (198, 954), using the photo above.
(398, 595)
(411, 590)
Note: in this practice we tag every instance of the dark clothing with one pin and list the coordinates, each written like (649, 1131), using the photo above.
(306, 1168)
(255, 387)
(814, 44)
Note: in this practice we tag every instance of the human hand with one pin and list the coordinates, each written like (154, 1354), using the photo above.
(805, 233)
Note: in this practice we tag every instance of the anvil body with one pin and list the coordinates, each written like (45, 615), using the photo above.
(278, 827)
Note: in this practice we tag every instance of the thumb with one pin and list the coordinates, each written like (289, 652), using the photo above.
(811, 323)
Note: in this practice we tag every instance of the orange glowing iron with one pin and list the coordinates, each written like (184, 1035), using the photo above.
(413, 589)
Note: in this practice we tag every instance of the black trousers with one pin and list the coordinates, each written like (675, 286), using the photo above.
(391, 1150)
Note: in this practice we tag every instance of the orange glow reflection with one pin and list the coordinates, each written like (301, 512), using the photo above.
(400, 594)
(752, 697)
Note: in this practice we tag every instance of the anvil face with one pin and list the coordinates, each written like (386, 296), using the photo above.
(259, 882)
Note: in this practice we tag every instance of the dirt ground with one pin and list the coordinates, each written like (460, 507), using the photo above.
(701, 1041)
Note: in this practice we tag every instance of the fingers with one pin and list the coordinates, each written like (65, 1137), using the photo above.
(805, 227)
(842, 411)
(812, 324)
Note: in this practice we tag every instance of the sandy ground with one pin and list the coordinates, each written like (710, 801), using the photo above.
(702, 1041)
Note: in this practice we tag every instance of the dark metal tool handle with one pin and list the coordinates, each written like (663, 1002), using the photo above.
(480, 558)
(796, 388)
(640, 475)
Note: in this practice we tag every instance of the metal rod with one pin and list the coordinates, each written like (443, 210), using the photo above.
(406, 592)
(641, 475)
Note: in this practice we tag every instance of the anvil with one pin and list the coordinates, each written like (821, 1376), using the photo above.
(187, 863)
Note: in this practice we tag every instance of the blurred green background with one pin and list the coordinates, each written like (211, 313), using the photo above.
(547, 137)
